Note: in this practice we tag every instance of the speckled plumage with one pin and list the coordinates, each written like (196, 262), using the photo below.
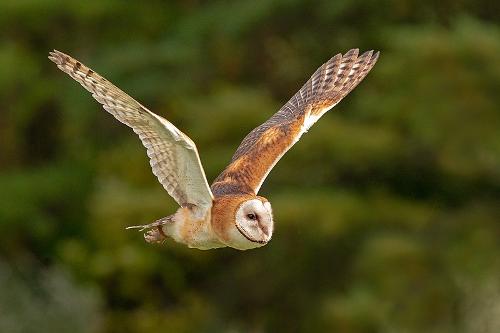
(229, 213)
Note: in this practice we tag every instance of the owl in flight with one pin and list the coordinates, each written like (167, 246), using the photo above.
(228, 213)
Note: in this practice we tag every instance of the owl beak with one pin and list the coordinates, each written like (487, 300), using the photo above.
(264, 228)
(251, 239)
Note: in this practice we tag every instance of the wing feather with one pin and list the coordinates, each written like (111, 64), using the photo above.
(173, 156)
(262, 148)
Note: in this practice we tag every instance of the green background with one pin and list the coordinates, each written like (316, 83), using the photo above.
(387, 212)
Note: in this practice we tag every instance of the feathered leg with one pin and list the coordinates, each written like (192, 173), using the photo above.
(156, 234)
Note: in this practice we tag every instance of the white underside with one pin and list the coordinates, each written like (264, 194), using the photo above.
(200, 235)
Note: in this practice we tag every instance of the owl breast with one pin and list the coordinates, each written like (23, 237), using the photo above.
(190, 229)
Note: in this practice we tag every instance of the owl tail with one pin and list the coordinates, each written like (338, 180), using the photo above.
(157, 223)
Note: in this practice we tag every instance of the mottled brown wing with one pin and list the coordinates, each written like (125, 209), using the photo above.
(262, 148)
(173, 156)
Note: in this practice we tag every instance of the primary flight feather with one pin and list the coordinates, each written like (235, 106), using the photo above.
(229, 213)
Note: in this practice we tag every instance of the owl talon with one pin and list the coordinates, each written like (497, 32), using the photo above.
(154, 235)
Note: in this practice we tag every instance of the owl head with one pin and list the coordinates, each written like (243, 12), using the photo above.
(248, 222)
(254, 220)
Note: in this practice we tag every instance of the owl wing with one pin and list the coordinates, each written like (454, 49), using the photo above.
(173, 156)
(262, 148)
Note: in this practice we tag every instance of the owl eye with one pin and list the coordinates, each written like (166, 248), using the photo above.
(252, 216)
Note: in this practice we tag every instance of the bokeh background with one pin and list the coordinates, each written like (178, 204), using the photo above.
(387, 212)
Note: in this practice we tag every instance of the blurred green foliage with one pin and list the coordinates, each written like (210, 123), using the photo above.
(387, 212)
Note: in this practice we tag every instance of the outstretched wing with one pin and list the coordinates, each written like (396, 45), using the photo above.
(173, 156)
(262, 148)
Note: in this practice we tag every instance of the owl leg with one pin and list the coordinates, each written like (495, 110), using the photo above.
(156, 234)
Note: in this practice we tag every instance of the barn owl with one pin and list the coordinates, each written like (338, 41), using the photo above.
(229, 213)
